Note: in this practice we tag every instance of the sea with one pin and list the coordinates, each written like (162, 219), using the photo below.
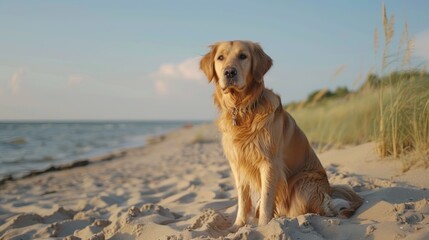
(35, 146)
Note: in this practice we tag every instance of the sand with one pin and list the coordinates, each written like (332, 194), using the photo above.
(180, 187)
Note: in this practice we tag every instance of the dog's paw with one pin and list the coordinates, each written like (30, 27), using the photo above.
(263, 221)
(234, 228)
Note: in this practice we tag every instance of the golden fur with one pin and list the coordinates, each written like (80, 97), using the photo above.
(267, 151)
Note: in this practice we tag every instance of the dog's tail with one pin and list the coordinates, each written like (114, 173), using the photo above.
(344, 201)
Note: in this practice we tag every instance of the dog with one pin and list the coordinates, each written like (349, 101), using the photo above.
(268, 153)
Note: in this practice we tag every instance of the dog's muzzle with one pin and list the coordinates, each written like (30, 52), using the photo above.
(230, 74)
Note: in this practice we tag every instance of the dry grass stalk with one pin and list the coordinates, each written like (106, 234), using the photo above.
(358, 80)
(319, 95)
(408, 52)
(388, 25)
(390, 29)
(404, 37)
(376, 41)
(338, 71)
(384, 19)
(387, 38)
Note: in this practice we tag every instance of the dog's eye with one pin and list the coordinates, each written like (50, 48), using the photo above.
(242, 56)
(220, 58)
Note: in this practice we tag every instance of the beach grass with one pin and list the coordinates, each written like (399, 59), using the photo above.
(405, 123)
(356, 118)
(334, 123)
(391, 107)
(404, 117)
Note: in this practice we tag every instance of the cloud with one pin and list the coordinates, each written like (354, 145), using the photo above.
(75, 79)
(422, 45)
(190, 70)
(169, 74)
(161, 87)
(15, 81)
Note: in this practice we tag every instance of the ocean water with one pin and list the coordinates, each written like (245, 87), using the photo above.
(27, 146)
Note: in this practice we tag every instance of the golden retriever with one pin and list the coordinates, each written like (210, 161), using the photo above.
(267, 151)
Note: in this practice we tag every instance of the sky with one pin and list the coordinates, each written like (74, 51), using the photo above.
(138, 60)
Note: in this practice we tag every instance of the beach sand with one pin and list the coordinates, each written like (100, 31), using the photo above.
(180, 187)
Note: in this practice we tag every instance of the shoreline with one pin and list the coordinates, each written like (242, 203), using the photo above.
(73, 164)
(109, 155)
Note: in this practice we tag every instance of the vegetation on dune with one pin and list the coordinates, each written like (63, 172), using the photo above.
(403, 122)
(318, 96)
(404, 125)
(391, 107)
(393, 80)
(353, 118)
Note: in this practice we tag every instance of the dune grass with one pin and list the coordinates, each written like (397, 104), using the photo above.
(338, 122)
(404, 119)
(401, 130)
(356, 119)
(391, 107)
(405, 123)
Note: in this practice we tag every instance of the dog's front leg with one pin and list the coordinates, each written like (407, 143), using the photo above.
(244, 201)
(268, 191)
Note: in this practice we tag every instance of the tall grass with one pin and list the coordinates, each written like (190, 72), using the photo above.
(406, 123)
(404, 118)
(339, 122)
(391, 107)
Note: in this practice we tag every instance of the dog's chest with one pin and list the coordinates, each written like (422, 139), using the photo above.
(249, 149)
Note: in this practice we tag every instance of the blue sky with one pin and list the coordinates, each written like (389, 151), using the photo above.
(139, 59)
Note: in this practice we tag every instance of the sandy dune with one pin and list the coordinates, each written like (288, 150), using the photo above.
(181, 188)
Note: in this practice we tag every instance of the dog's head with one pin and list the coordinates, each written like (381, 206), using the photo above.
(235, 66)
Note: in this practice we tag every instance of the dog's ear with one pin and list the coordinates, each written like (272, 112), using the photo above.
(261, 62)
(207, 63)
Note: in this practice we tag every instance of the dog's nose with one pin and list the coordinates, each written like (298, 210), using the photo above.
(230, 72)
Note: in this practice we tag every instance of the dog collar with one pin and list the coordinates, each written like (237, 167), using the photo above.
(236, 110)
(234, 116)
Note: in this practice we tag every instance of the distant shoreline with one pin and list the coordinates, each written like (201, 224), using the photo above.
(73, 164)
(113, 154)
